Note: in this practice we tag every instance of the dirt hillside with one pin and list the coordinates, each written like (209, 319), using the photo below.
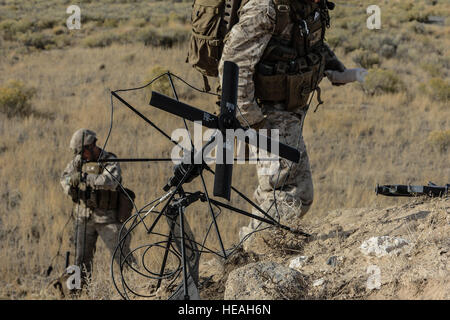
(335, 266)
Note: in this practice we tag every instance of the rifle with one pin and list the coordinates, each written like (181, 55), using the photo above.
(398, 190)
(77, 226)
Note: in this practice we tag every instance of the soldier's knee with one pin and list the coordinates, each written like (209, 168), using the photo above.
(307, 201)
(305, 208)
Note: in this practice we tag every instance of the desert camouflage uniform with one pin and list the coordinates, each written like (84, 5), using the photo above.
(245, 45)
(90, 222)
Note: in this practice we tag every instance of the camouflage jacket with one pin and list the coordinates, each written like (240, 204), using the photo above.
(245, 45)
(107, 179)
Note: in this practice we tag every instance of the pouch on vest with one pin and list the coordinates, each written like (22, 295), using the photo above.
(270, 87)
(125, 205)
(297, 86)
(107, 199)
(293, 89)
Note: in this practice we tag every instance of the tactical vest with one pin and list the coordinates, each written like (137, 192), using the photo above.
(98, 199)
(293, 62)
(107, 199)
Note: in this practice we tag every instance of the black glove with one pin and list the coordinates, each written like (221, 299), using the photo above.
(335, 65)
(74, 194)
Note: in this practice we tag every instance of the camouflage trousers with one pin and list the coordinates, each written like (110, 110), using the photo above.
(290, 184)
(87, 232)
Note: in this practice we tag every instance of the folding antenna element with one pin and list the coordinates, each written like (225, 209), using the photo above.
(227, 120)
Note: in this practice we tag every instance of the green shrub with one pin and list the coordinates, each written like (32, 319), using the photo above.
(439, 89)
(380, 81)
(46, 24)
(59, 30)
(103, 39)
(8, 29)
(418, 14)
(111, 23)
(439, 140)
(162, 85)
(336, 40)
(15, 99)
(25, 25)
(365, 59)
(162, 38)
(37, 40)
(433, 69)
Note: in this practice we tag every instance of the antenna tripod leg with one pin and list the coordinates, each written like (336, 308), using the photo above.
(183, 254)
(187, 247)
(166, 253)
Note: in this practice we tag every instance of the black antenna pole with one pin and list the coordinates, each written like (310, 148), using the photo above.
(227, 118)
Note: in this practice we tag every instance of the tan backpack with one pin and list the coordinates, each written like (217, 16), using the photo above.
(211, 20)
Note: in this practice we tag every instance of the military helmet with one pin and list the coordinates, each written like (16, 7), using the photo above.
(82, 137)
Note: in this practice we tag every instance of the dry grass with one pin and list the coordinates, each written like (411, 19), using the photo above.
(354, 141)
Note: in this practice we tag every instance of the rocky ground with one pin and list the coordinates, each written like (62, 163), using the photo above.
(400, 252)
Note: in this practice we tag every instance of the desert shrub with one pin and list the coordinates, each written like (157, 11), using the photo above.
(439, 89)
(57, 30)
(162, 85)
(46, 24)
(418, 14)
(15, 99)
(384, 45)
(419, 28)
(146, 35)
(103, 39)
(178, 18)
(37, 40)
(11, 28)
(433, 70)
(25, 25)
(160, 21)
(336, 40)
(439, 140)
(111, 23)
(380, 81)
(162, 38)
(407, 51)
(92, 18)
(140, 22)
(8, 29)
(63, 40)
(365, 58)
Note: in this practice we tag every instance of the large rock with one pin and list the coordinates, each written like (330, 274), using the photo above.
(383, 246)
(265, 281)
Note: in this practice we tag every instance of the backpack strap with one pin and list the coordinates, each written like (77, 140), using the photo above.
(283, 11)
(230, 16)
(206, 87)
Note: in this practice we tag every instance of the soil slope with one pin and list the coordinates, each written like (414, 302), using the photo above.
(334, 264)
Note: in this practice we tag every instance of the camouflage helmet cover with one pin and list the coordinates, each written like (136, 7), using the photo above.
(82, 136)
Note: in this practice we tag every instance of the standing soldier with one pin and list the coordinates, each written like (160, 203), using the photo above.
(282, 57)
(93, 188)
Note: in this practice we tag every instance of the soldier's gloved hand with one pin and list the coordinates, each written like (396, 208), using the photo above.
(334, 65)
(77, 162)
(75, 179)
(349, 75)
